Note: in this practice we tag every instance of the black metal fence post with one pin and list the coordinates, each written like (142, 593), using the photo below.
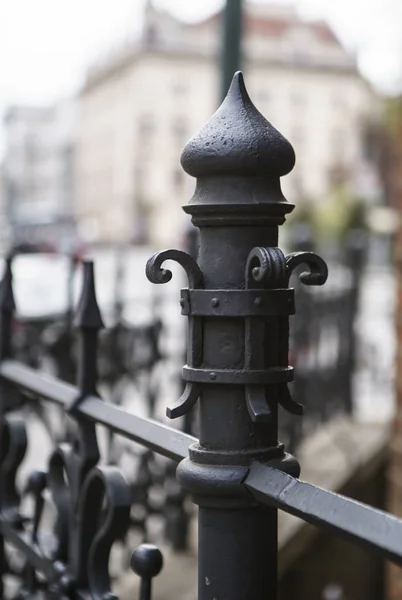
(238, 307)
(7, 308)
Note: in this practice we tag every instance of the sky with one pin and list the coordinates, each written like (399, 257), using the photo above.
(46, 45)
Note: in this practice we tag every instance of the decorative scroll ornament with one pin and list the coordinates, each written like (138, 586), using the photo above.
(318, 270)
(156, 274)
(267, 274)
(92, 503)
(268, 267)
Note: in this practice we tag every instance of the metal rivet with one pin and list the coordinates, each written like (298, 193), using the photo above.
(212, 376)
(215, 302)
(258, 301)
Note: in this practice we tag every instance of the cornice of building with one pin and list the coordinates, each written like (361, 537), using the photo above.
(169, 53)
(268, 21)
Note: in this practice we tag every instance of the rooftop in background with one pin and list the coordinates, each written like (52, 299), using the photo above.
(274, 34)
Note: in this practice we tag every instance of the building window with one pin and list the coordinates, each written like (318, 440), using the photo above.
(180, 128)
(297, 98)
(339, 102)
(262, 96)
(179, 88)
(151, 34)
(138, 179)
(146, 124)
(178, 179)
(337, 142)
(297, 136)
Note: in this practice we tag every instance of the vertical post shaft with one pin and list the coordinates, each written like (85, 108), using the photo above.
(7, 308)
(231, 43)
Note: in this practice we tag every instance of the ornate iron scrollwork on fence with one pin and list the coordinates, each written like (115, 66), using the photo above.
(266, 296)
(92, 502)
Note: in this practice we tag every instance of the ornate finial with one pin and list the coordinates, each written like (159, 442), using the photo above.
(88, 314)
(89, 321)
(238, 140)
(7, 303)
(7, 308)
(147, 562)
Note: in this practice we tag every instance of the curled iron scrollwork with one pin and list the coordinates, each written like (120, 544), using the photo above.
(318, 273)
(68, 557)
(265, 266)
(186, 401)
(103, 518)
(156, 274)
(266, 269)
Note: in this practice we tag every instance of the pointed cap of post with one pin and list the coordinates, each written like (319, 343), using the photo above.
(88, 315)
(238, 140)
(238, 157)
(7, 302)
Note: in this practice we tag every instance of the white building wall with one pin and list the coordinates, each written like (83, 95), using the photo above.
(135, 120)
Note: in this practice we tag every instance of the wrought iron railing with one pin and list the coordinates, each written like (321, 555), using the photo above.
(238, 305)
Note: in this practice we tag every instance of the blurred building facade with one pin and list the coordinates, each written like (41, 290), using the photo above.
(139, 107)
(394, 490)
(38, 174)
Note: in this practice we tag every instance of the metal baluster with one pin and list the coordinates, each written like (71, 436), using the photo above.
(89, 322)
(147, 562)
(74, 461)
(94, 506)
(7, 308)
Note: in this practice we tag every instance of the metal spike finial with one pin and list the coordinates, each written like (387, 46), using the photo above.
(89, 322)
(7, 302)
(7, 308)
(238, 140)
(88, 313)
(147, 562)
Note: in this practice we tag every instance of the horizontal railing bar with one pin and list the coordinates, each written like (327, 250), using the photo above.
(31, 551)
(31, 382)
(348, 518)
(158, 437)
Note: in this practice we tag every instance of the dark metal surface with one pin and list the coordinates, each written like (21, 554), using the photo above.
(352, 520)
(165, 440)
(237, 363)
(147, 562)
